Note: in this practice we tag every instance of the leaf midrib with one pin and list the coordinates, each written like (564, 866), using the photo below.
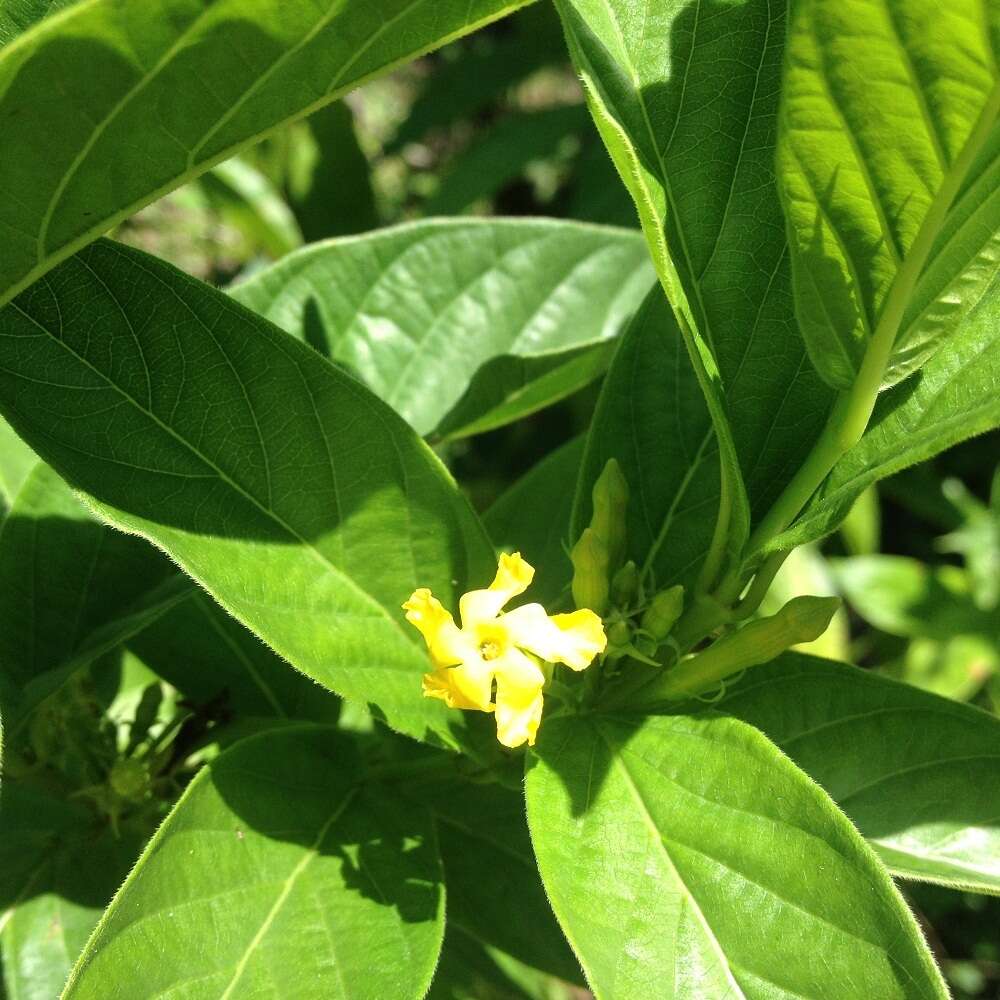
(311, 853)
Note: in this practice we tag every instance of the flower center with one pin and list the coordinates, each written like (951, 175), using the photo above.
(489, 649)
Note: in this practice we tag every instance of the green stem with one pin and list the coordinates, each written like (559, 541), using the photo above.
(852, 411)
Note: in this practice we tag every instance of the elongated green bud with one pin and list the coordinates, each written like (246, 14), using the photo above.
(663, 611)
(610, 498)
(590, 572)
(625, 585)
(802, 619)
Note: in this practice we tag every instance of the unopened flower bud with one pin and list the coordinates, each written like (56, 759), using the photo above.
(590, 572)
(663, 611)
(625, 585)
(610, 497)
(129, 779)
(619, 634)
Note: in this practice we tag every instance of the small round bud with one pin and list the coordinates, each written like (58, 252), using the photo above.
(619, 634)
(663, 611)
(128, 779)
(590, 572)
(625, 585)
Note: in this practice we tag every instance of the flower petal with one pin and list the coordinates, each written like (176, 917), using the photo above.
(444, 639)
(519, 699)
(574, 639)
(513, 577)
(440, 684)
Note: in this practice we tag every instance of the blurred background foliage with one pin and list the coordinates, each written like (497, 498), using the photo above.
(492, 125)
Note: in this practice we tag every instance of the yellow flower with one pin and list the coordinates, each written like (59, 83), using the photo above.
(500, 649)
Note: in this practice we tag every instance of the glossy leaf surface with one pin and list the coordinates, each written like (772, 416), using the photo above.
(918, 774)
(300, 501)
(182, 85)
(688, 857)
(461, 325)
(306, 883)
(889, 162)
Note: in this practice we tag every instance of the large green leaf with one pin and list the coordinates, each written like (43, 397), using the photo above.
(918, 774)
(620, 66)
(207, 655)
(952, 397)
(489, 867)
(301, 502)
(19, 15)
(58, 869)
(652, 418)
(689, 858)
(889, 163)
(70, 589)
(110, 105)
(461, 325)
(532, 516)
(277, 875)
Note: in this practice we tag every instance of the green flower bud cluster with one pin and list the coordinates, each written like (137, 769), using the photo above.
(610, 585)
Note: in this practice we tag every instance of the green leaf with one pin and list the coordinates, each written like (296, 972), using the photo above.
(306, 883)
(70, 589)
(58, 870)
(619, 71)
(500, 154)
(207, 655)
(889, 162)
(652, 418)
(468, 970)
(458, 319)
(330, 189)
(905, 597)
(249, 202)
(17, 16)
(490, 868)
(16, 462)
(918, 774)
(302, 503)
(688, 857)
(532, 517)
(953, 397)
(182, 85)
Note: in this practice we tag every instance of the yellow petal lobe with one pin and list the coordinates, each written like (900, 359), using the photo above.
(519, 699)
(573, 639)
(444, 639)
(514, 575)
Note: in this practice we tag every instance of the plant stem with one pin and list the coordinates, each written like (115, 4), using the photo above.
(853, 409)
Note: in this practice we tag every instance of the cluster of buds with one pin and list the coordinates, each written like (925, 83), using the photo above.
(607, 583)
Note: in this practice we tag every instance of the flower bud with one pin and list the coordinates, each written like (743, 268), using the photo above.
(619, 634)
(129, 779)
(663, 611)
(610, 497)
(625, 585)
(802, 619)
(590, 572)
